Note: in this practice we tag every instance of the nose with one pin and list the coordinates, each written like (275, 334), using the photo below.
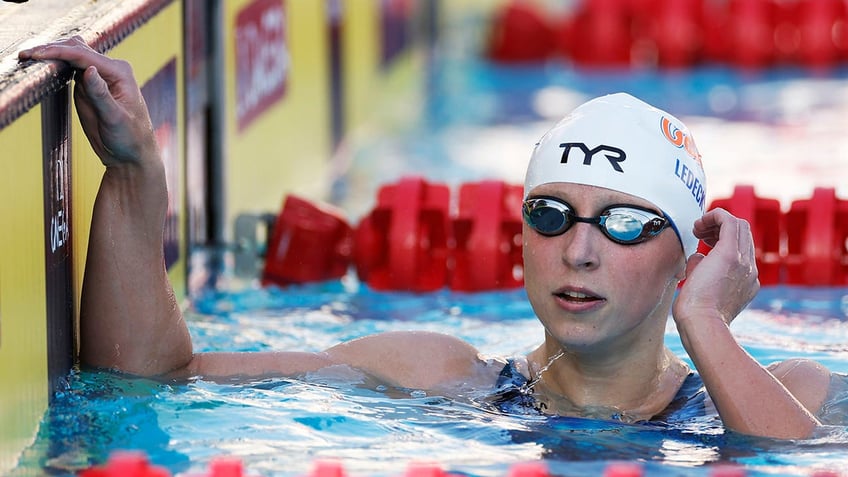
(581, 246)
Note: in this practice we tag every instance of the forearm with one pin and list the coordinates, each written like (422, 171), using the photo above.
(748, 397)
(129, 318)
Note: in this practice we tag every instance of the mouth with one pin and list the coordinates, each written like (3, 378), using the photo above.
(577, 296)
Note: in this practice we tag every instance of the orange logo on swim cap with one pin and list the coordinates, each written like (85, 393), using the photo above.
(679, 139)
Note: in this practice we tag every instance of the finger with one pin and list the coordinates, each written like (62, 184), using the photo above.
(693, 262)
(721, 227)
(49, 50)
(745, 240)
(96, 91)
(38, 50)
(708, 227)
(83, 104)
(79, 55)
(87, 113)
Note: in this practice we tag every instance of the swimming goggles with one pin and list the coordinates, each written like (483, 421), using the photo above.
(624, 224)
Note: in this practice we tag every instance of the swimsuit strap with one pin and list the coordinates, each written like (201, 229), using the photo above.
(689, 402)
(511, 394)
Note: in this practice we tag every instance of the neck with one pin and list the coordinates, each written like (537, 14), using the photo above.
(638, 385)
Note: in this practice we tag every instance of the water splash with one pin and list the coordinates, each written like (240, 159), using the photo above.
(527, 388)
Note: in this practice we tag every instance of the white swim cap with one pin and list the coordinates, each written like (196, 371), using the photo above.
(621, 143)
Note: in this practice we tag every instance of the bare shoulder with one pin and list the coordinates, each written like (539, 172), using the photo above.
(413, 359)
(806, 379)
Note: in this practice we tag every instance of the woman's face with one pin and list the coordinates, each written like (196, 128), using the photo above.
(589, 291)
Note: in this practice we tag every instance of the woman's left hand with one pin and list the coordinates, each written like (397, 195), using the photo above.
(725, 280)
(749, 398)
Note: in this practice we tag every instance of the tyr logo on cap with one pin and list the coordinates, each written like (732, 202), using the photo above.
(613, 154)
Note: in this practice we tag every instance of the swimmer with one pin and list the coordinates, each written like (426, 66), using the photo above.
(613, 212)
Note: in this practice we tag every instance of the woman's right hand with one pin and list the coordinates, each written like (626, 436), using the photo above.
(112, 110)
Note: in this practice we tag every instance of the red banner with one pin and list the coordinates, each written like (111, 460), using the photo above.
(262, 59)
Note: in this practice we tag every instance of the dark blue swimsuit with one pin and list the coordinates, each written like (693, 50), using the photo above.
(512, 397)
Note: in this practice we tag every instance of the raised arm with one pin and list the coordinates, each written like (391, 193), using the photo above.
(750, 399)
(129, 318)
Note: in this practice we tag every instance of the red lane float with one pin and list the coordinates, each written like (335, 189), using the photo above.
(520, 21)
(529, 469)
(308, 243)
(228, 467)
(487, 237)
(727, 470)
(126, 464)
(767, 227)
(136, 464)
(714, 20)
(403, 243)
(328, 468)
(676, 32)
(410, 241)
(601, 34)
(821, 26)
(806, 245)
(747, 34)
(817, 240)
(624, 469)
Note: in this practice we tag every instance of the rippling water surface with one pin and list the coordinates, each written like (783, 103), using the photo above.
(283, 426)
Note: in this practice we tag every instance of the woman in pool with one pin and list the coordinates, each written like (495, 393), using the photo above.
(613, 213)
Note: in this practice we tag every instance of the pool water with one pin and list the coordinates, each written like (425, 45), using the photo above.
(281, 427)
(481, 122)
